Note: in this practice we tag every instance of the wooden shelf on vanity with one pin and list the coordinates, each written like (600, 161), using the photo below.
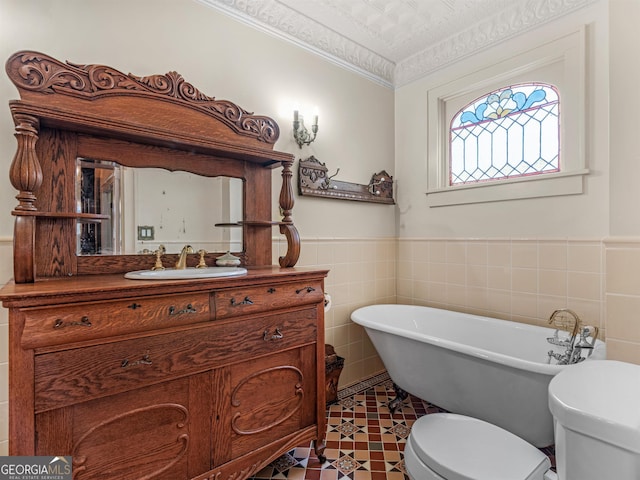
(86, 217)
(252, 223)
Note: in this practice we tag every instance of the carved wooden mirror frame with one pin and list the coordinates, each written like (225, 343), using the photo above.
(68, 110)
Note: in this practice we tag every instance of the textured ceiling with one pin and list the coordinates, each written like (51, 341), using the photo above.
(395, 41)
(396, 29)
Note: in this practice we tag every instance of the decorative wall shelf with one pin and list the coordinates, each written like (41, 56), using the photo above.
(314, 181)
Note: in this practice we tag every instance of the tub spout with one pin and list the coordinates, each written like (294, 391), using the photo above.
(560, 318)
(568, 320)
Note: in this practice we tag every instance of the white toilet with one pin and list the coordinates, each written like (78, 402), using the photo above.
(596, 411)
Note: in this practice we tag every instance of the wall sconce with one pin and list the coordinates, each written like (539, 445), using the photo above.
(300, 132)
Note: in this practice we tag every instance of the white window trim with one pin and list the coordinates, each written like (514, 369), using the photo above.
(570, 50)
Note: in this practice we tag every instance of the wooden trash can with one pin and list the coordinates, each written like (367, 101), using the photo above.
(333, 369)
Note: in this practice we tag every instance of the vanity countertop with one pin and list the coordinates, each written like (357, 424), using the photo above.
(61, 290)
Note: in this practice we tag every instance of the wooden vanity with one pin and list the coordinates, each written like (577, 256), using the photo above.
(208, 378)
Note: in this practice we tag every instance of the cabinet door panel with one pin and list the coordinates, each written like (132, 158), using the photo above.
(284, 400)
(269, 398)
(156, 432)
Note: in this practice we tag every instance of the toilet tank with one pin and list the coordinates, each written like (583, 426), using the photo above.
(596, 411)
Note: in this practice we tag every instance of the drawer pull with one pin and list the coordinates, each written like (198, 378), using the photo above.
(84, 322)
(271, 290)
(246, 301)
(145, 360)
(188, 309)
(307, 289)
(134, 305)
(277, 335)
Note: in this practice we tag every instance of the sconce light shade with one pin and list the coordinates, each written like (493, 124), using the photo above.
(301, 135)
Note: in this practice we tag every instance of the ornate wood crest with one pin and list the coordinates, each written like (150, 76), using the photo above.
(37, 72)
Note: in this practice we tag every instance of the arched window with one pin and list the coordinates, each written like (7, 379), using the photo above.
(511, 132)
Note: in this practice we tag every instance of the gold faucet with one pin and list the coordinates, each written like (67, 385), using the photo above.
(568, 320)
(181, 264)
(563, 318)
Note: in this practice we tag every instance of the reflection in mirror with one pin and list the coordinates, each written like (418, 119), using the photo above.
(98, 194)
(135, 210)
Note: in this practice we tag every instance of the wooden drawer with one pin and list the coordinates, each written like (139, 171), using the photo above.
(76, 375)
(86, 321)
(242, 301)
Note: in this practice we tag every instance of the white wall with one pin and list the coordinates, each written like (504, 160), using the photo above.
(625, 155)
(228, 60)
(623, 250)
(225, 59)
(575, 216)
(520, 260)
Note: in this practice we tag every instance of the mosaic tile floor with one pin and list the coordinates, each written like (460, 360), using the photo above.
(364, 441)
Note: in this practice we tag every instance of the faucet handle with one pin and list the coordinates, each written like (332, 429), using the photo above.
(158, 253)
(588, 331)
(202, 263)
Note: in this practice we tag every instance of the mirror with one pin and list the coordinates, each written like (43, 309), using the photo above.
(134, 210)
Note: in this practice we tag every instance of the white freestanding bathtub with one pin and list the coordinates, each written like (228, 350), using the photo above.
(486, 368)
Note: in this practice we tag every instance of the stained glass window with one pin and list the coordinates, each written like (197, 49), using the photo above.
(511, 132)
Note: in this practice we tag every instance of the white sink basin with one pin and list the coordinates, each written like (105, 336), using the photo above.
(173, 274)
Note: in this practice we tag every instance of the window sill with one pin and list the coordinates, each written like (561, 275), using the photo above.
(550, 185)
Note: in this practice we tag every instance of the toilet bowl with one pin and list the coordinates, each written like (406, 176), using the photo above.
(595, 406)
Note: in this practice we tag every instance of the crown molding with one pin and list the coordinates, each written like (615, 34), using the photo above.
(509, 23)
(277, 19)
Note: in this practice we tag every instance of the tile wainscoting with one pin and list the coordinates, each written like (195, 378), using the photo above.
(515, 279)
(511, 279)
(362, 272)
(522, 280)
(622, 298)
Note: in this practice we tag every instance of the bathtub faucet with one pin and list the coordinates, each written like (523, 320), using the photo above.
(567, 320)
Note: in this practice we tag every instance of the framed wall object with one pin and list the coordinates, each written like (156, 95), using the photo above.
(314, 181)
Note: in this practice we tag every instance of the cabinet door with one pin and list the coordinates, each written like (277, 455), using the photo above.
(271, 397)
(159, 432)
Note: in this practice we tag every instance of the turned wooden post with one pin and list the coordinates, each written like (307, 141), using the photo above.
(287, 228)
(25, 173)
(286, 192)
(26, 177)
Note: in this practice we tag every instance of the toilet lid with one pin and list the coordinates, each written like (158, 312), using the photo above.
(464, 448)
